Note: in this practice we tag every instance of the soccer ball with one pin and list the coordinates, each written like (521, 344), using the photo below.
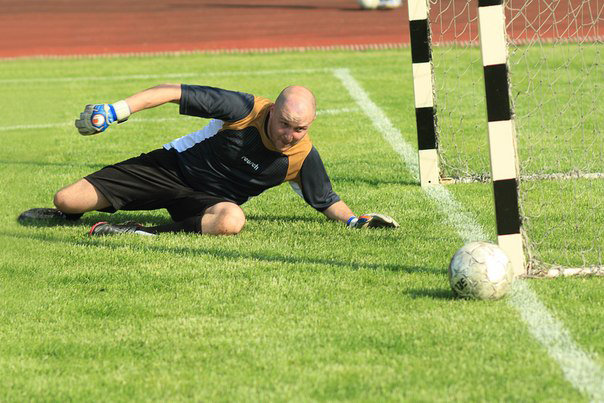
(369, 4)
(480, 270)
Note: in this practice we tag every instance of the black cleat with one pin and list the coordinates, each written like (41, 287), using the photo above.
(105, 228)
(46, 214)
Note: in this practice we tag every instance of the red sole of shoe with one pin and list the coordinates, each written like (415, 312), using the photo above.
(95, 225)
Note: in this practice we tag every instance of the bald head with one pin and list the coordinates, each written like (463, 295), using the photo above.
(297, 102)
(291, 116)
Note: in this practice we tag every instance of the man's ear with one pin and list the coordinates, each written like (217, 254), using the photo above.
(271, 111)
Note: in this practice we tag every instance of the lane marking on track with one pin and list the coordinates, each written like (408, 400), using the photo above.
(335, 111)
(583, 372)
(128, 77)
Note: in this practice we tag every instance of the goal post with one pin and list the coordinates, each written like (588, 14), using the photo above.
(423, 89)
(501, 132)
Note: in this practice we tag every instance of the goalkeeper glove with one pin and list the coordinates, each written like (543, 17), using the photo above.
(97, 118)
(372, 220)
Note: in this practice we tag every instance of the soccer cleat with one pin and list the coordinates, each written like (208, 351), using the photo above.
(105, 228)
(46, 214)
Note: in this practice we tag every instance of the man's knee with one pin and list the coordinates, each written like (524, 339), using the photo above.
(79, 197)
(231, 221)
(224, 219)
(63, 201)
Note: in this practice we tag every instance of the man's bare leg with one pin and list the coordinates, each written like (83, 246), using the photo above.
(71, 202)
(80, 197)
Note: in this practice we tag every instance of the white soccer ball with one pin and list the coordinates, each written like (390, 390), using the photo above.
(369, 4)
(480, 270)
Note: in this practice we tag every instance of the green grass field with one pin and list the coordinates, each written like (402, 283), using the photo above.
(295, 307)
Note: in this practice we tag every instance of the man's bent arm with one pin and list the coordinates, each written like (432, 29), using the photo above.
(154, 96)
(338, 211)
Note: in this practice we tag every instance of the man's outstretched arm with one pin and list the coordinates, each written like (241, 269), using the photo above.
(97, 118)
(155, 96)
(338, 211)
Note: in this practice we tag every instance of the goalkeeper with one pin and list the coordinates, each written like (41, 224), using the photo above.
(250, 144)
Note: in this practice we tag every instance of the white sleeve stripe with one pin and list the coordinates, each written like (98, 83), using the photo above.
(190, 140)
(296, 188)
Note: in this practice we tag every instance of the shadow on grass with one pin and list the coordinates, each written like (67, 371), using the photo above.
(371, 182)
(146, 218)
(290, 218)
(432, 293)
(94, 217)
(200, 250)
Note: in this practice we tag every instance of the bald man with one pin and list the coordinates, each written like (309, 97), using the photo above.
(201, 179)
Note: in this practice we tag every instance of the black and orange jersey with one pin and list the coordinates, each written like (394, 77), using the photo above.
(233, 157)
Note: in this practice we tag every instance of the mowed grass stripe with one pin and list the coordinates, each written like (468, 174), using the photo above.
(579, 369)
(335, 111)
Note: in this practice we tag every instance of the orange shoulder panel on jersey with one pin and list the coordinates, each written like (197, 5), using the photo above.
(254, 118)
(297, 154)
(257, 118)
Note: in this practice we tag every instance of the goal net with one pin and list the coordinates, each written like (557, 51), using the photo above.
(555, 57)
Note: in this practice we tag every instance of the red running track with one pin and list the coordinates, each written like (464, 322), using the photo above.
(62, 27)
(74, 27)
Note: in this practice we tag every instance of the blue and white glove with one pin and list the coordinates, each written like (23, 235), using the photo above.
(97, 118)
(372, 220)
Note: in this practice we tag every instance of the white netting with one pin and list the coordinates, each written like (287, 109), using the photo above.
(555, 60)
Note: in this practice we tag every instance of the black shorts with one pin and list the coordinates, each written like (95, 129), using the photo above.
(148, 182)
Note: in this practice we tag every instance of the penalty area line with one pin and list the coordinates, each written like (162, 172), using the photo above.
(579, 369)
(127, 77)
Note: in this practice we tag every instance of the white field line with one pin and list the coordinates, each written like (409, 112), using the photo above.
(578, 367)
(128, 77)
(581, 370)
(535, 177)
(320, 112)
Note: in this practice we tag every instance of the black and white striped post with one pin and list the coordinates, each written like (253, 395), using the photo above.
(421, 56)
(502, 134)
